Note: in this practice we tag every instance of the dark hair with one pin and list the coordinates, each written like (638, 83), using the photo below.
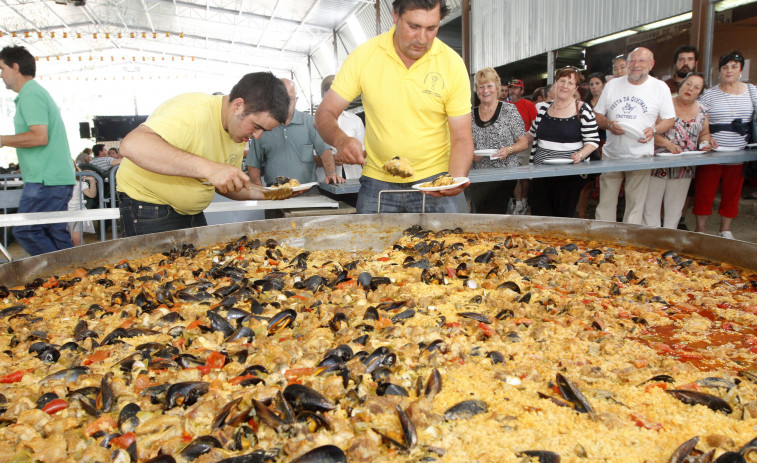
(262, 92)
(539, 92)
(686, 49)
(97, 148)
(695, 74)
(596, 75)
(619, 57)
(27, 66)
(326, 84)
(400, 6)
(733, 55)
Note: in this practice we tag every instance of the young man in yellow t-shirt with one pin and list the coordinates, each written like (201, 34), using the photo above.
(190, 148)
(416, 95)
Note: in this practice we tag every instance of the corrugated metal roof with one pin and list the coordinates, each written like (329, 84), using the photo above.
(504, 31)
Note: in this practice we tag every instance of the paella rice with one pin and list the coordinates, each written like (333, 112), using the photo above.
(446, 346)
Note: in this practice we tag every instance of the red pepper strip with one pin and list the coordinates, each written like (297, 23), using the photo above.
(124, 440)
(13, 377)
(215, 360)
(54, 406)
(486, 329)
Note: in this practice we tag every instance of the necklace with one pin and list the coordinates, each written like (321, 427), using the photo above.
(485, 113)
(560, 109)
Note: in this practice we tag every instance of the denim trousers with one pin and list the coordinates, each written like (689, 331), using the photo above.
(39, 239)
(141, 218)
(368, 198)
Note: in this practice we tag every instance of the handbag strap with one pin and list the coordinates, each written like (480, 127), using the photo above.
(750, 87)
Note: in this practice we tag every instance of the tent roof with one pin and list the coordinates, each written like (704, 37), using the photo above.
(208, 36)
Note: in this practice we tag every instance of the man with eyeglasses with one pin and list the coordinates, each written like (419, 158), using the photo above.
(629, 109)
(684, 61)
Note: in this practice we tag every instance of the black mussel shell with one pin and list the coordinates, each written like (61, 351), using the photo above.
(200, 446)
(391, 389)
(700, 398)
(544, 456)
(46, 398)
(302, 397)
(324, 454)
(465, 410)
(281, 320)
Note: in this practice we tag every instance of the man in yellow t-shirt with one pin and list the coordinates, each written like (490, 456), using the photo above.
(191, 147)
(416, 95)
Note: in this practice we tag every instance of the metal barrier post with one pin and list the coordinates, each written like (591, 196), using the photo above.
(113, 199)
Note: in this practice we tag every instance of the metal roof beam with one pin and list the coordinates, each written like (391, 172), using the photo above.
(268, 23)
(217, 9)
(297, 29)
(20, 15)
(186, 36)
(148, 15)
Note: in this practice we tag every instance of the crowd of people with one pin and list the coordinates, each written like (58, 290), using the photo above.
(632, 115)
(416, 94)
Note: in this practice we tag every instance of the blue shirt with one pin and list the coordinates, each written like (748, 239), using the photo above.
(288, 150)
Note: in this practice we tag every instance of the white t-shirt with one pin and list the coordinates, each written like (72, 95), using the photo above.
(637, 106)
(352, 125)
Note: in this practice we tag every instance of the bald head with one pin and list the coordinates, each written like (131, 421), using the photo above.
(292, 91)
(326, 84)
(640, 62)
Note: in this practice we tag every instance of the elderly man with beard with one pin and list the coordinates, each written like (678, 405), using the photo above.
(685, 60)
(632, 109)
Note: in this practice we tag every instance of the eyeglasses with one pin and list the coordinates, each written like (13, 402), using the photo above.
(634, 61)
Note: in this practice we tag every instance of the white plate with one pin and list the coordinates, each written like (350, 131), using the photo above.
(751, 146)
(558, 161)
(487, 153)
(693, 152)
(303, 187)
(631, 131)
(458, 181)
(726, 148)
(668, 155)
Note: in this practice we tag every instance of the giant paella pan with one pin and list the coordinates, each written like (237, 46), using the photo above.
(383, 338)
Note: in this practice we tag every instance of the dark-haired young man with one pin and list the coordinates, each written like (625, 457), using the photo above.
(102, 160)
(43, 154)
(190, 148)
(685, 60)
(416, 94)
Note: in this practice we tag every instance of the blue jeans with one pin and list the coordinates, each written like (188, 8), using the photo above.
(39, 239)
(141, 218)
(367, 198)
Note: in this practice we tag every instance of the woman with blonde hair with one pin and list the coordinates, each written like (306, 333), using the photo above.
(498, 127)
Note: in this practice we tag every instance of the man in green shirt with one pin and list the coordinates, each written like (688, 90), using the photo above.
(43, 154)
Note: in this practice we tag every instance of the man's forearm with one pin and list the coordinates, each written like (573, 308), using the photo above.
(602, 122)
(461, 158)
(329, 165)
(37, 136)
(254, 174)
(150, 151)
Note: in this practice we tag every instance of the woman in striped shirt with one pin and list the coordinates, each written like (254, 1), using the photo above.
(731, 110)
(564, 131)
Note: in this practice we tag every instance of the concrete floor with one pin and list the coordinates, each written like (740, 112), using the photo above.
(744, 227)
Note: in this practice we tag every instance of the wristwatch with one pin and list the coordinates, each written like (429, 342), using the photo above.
(509, 150)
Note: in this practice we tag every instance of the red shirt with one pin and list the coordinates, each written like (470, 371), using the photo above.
(527, 111)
